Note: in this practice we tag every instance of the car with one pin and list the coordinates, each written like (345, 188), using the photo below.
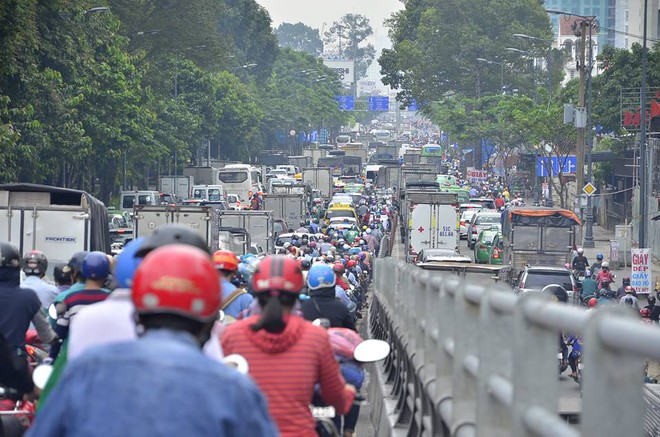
(280, 227)
(484, 202)
(290, 236)
(466, 216)
(482, 218)
(441, 255)
(220, 205)
(235, 202)
(534, 278)
(169, 199)
(483, 244)
(342, 223)
(277, 173)
(496, 252)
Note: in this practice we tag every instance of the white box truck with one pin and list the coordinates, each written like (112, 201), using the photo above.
(57, 221)
(432, 222)
(179, 185)
(257, 224)
(147, 218)
(287, 207)
(319, 179)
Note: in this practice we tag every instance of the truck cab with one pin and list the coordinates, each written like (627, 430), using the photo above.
(210, 193)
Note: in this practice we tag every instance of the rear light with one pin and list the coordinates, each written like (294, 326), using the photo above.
(575, 289)
(496, 253)
(462, 222)
(521, 285)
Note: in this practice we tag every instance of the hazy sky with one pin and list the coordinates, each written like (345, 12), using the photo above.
(314, 12)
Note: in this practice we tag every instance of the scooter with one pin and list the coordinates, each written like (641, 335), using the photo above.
(16, 415)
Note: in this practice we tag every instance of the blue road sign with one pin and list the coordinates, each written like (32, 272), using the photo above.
(568, 165)
(413, 106)
(324, 136)
(379, 103)
(346, 103)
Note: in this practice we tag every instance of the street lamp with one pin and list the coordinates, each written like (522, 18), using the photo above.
(585, 75)
(487, 61)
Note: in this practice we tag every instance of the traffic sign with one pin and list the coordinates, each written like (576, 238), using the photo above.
(589, 189)
(413, 105)
(544, 164)
(324, 136)
(379, 103)
(346, 103)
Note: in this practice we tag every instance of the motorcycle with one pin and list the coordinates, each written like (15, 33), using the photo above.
(16, 415)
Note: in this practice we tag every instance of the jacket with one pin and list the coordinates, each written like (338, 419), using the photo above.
(286, 366)
(324, 304)
(160, 385)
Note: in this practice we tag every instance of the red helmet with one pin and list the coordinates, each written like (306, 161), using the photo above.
(592, 302)
(645, 312)
(278, 272)
(339, 268)
(350, 264)
(629, 289)
(343, 342)
(177, 279)
(225, 260)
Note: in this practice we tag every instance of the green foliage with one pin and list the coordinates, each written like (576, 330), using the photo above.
(300, 37)
(347, 34)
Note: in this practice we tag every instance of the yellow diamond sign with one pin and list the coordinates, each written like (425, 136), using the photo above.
(589, 189)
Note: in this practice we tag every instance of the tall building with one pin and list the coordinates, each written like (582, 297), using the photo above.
(603, 10)
(635, 22)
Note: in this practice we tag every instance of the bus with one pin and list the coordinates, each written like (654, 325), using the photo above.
(432, 150)
(241, 179)
(382, 135)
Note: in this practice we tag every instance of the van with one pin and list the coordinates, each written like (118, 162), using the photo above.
(128, 199)
(290, 169)
(210, 193)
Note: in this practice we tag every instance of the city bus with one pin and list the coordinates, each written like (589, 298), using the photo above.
(241, 179)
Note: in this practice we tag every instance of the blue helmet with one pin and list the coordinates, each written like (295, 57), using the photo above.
(127, 263)
(321, 276)
(599, 256)
(96, 266)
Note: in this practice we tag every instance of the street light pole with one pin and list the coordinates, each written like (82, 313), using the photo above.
(643, 171)
(501, 64)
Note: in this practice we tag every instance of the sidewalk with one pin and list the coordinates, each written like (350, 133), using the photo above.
(602, 238)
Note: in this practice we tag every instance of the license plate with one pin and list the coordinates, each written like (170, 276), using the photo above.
(323, 412)
(580, 366)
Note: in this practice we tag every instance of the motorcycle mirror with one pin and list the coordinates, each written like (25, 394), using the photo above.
(371, 350)
(238, 362)
(322, 322)
(52, 311)
(41, 375)
(221, 316)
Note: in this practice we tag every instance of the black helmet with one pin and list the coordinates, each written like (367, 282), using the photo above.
(171, 234)
(34, 263)
(557, 291)
(305, 264)
(650, 300)
(62, 274)
(9, 256)
(76, 261)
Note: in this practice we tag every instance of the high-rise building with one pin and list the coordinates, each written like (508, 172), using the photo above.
(603, 10)
(633, 29)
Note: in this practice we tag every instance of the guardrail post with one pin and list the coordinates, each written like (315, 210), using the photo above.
(613, 402)
(535, 365)
(466, 361)
(495, 361)
(445, 358)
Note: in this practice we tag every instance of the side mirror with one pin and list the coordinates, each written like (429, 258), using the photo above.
(371, 350)
(238, 362)
(52, 311)
(41, 375)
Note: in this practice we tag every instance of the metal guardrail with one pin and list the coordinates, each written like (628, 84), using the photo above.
(474, 361)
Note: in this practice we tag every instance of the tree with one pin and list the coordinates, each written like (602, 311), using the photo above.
(300, 37)
(348, 34)
(436, 46)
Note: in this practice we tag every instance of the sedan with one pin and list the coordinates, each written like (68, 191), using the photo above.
(466, 216)
(483, 245)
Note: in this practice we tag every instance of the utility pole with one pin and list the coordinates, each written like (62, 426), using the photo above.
(588, 241)
(643, 171)
(579, 149)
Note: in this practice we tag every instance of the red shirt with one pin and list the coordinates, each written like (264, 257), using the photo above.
(286, 366)
(499, 202)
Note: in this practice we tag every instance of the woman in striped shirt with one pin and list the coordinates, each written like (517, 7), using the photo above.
(287, 355)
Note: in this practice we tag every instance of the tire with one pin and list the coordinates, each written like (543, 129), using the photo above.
(12, 426)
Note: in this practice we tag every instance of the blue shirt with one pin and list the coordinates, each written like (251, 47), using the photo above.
(239, 304)
(45, 292)
(159, 385)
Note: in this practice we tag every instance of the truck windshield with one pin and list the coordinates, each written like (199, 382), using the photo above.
(233, 177)
(214, 195)
(128, 202)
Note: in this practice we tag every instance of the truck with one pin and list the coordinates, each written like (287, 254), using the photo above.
(385, 152)
(146, 218)
(315, 154)
(538, 236)
(301, 161)
(355, 149)
(57, 221)
(390, 177)
(431, 222)
(256, 226)
(414, 175)
(202, 175)
(320, 179)
(288, 207)
(179, 185)
(412, 157)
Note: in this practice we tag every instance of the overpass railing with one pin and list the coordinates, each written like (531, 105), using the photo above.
(473, 361)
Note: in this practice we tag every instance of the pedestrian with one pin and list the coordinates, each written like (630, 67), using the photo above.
(142, 387)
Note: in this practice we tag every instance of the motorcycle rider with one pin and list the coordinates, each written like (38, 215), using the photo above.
(580, 262)
(287, 355)
(589, 287)
(595, 267)
(323, 303)
(621, 291)
(234, 300)
(176, 296)
(629, 299)
(604, 275)
(34, 264)
(576, 351)
(62, 276)
(650, 304)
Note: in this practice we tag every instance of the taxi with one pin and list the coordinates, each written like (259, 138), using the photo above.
(339, 210)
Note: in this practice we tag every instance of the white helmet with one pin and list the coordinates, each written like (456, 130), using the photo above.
(580, 250)
(605, 265)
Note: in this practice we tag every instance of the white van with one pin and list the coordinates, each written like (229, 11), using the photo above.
(212, 193)
(129, 199)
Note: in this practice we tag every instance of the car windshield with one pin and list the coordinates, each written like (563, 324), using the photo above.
(537, 279)
(488, 220)
(339, 213)
(488, 237)
(467, 215)
(232, 199)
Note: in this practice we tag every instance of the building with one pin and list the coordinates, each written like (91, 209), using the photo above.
(570, 43)
(631, 27)
(603, 10)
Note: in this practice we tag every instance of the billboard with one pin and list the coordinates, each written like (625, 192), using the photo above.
(343, 68)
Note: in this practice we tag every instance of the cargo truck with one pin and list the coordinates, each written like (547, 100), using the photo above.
(57, 221)
(320, 179)
(179, 185)
(257, 225)
(146, 218)
(301, 161)
(431, 222)
(202, 175)
(315, 154)
(288, 207)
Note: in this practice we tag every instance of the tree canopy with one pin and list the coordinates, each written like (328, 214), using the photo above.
(348, 35)
(300, 37)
